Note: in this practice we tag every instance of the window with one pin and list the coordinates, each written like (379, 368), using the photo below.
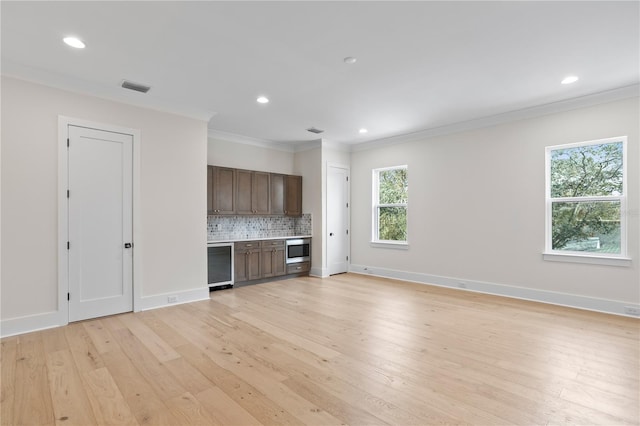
(586, 199)
(390, 192)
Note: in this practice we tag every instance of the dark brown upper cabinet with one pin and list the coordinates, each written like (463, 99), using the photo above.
(221, 190)
(252, 192)
(293, 195)
(277, 194)
(245, 192)
(210, 189)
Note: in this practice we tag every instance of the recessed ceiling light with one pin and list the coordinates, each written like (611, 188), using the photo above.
(74, 42)
(363, 130)
(262, 100)
(350, 60)
(569, 79)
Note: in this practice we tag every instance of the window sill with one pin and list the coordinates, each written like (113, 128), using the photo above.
(589, 259)
(390, 244)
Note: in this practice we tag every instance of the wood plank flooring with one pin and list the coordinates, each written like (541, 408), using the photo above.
(349, 349)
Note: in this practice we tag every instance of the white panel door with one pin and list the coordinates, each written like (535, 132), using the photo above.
(337, 219)
(100, 223)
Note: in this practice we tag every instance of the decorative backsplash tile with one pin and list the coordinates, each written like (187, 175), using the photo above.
(221, 228)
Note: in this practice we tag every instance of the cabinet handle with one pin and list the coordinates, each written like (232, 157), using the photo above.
(299, 267)
(249, 245)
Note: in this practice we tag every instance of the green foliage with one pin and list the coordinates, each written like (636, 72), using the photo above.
(594, 170)
(393, 186)
(392, 220)
(392, 224)
(585, 171)
(574, 223)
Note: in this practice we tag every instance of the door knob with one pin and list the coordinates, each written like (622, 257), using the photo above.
(331, 234)
(127, 245)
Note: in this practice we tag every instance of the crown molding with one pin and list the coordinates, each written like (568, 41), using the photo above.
(116, 93)
(337, 146)
(265, 143)
(494, 120)
(308, 145)
(248, 140)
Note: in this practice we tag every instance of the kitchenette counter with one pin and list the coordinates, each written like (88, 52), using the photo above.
(237, 240)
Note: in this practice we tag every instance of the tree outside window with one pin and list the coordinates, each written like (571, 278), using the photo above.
(586, 197)
(390, 194)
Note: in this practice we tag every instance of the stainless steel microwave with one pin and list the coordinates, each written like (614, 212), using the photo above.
(298, 250)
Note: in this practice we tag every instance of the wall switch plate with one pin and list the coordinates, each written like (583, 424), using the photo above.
(172, 299)
(632, 310)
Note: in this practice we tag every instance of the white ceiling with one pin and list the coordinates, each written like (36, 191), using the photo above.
(420, 65)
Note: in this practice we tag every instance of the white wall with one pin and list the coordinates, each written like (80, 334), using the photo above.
(173, 156)
(477, 210)
(308, 164)
(249, 157)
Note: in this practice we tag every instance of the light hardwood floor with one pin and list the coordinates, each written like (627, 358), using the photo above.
(346, 350)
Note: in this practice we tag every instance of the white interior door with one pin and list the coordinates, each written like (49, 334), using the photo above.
(100, 168)
(337, 219)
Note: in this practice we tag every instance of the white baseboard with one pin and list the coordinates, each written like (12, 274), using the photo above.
(319, 272)
(162, 300)
(29, 323)
(563, 299)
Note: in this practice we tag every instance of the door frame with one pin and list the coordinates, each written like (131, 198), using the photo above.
(326, 215)
(63, 210)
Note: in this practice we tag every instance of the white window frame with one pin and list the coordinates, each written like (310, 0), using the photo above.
(375, 240)
(615, 259)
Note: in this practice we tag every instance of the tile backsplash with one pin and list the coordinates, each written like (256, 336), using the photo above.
(224, 228)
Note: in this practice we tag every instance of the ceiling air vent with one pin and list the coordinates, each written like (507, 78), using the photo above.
(314, 130)
(135, 86)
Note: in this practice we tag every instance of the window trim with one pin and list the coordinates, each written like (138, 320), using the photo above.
(375, 240)
(617, 259)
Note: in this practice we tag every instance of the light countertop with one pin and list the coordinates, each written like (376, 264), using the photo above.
(237, 240)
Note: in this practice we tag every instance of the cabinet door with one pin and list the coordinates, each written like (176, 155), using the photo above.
(210, 190)
(223, 190)
(277, 194)
(279, 266)
(293, 195)
(244, 193)
(260, 193)
(240, 269)
(267, 262)
(254, 264)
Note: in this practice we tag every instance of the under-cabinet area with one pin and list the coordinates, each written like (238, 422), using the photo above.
(248, 192)
(258, 260)
(271, 258)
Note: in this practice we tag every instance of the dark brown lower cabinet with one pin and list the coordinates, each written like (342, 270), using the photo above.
(255, 260)
(273, 262)
(298, 268)
(248, 261)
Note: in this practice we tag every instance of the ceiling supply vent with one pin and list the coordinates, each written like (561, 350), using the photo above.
(135, 86)
(314, 130)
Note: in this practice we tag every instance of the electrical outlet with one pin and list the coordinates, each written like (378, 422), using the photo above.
(462, 285)
(172, 299)
(632, 310)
